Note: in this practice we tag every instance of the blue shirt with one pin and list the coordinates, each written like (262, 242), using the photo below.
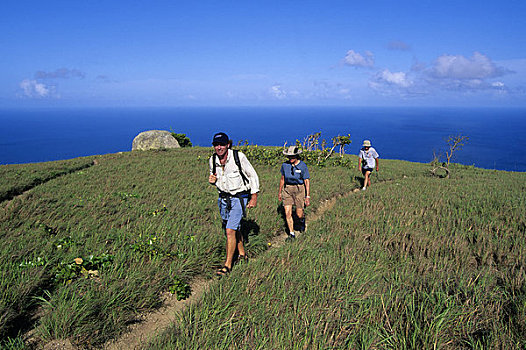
(295, 174)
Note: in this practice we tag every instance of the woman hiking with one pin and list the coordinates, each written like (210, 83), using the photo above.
(294, 188)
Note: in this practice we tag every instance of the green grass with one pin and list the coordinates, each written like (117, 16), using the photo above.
(412, 262)
(417, 263)
(153, 213)
(17, 178)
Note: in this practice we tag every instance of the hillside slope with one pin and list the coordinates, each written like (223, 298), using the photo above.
(91, 249)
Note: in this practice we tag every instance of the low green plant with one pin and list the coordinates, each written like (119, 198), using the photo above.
(149, 246)
(180, 289)
(273, 156)
(38, 261)
(125, 195)
(182, 139)
(13, 344)
(66, 272)
(64, 243)
(160, 211)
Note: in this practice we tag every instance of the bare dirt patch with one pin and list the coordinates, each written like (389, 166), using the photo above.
(153, 323)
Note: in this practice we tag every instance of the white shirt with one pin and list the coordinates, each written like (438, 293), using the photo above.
(228, 177)
(369, 156)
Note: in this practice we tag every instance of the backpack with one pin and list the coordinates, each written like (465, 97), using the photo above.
(238, 163)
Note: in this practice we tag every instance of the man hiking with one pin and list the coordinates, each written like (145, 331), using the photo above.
(238, 185)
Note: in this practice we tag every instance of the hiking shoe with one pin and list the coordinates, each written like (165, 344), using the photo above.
(302, 225)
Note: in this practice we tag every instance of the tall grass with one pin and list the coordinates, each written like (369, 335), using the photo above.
(148, 219)
(415, 263)
(17, 178)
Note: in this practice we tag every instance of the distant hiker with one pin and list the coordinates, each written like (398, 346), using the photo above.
(294, 188)
(237, 181)
(368, 159)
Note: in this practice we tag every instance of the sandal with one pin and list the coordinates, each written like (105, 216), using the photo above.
(242, 259)
(223, 271)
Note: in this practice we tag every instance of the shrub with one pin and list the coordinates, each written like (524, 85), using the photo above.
(183, 140)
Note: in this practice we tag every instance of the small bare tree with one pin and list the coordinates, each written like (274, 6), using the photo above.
(311, 142)
(454, 143)
(339, 141)
(344, 141)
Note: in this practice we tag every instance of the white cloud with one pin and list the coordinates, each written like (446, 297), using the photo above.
(277, 92)
(459, 73)
(34, 89)
(355, 59)
(448, 74)
(40, 87)
(396, 78)
(459, 67)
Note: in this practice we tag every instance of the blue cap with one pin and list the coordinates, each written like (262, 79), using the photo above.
(220, 138)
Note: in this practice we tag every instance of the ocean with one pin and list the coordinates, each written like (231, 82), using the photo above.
(496, 135)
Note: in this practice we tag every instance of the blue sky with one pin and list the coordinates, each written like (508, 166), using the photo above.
(90, 53)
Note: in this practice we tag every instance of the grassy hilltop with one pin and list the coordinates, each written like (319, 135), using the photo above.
(414, 262)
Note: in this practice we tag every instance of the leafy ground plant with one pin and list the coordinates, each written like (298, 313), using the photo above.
(180, 289)
(88, 267)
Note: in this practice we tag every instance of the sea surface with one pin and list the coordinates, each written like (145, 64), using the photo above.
(497, 137)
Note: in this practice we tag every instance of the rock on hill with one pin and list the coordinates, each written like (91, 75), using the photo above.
(154, 139)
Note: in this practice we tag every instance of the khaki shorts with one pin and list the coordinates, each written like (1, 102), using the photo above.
(294, 195)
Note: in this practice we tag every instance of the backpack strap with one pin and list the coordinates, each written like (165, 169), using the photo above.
(214, 163)
(238, 162)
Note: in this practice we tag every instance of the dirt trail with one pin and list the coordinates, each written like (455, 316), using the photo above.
(155, 322)
(152, 324)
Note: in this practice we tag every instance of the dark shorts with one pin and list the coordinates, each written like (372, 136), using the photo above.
(364, 170)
